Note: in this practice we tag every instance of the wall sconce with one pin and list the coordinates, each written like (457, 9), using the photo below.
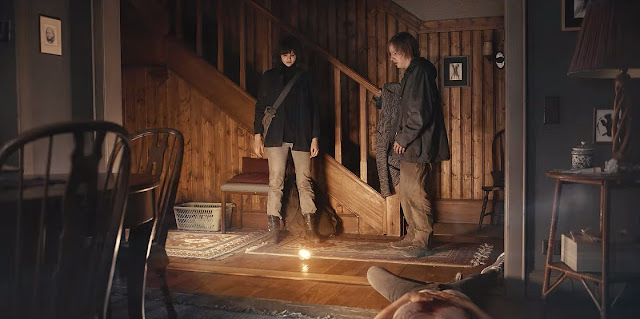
(487, 52)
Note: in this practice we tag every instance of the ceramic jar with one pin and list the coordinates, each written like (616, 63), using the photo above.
(581, 156)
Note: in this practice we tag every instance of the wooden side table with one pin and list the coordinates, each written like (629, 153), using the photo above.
(599, 294)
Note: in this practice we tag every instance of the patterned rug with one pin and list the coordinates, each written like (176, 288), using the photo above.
(443, 254)
(209, 245)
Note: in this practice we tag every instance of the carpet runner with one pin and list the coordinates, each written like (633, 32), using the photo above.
(210, 245)
(444, 254)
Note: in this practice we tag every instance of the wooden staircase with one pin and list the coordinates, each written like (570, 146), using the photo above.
(362, 208)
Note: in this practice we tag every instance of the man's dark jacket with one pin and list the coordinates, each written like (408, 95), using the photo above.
(297, 117)
(421, 129)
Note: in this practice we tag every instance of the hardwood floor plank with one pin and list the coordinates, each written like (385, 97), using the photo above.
(350, 296)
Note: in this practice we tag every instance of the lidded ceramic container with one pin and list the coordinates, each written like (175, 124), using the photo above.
(582, 156)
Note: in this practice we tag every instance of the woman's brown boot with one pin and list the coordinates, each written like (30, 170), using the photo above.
(310, 228)
(274, 229)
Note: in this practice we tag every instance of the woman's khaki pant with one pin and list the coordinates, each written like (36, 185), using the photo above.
(277, 165)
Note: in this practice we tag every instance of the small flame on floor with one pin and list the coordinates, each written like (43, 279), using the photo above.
(304, 254)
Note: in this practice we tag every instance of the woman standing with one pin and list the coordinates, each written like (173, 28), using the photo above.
(294, 128)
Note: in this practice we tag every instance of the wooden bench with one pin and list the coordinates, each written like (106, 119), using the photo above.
(253, 180)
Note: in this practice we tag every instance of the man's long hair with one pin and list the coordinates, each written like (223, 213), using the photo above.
(405, 43)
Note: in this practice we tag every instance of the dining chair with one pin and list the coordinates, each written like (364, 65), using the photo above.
(63, 206)
(497, 175)
(158, 153)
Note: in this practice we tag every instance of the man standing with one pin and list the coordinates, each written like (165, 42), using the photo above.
(421, 139)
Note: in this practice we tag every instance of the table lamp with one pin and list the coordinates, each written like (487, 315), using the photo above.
(608, 47)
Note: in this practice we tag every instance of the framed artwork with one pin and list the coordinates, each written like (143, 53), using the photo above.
(50, 35)
(455, 71)
(572, 14)
(602, 120)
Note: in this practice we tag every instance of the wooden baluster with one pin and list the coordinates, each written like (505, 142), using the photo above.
(199, 27)
(243, 48)
(363, 134)
(220, 38)
(178, 21)
(338, 109)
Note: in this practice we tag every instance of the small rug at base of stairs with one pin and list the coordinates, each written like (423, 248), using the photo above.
(197, 305)
(443, 254)
(210, 245)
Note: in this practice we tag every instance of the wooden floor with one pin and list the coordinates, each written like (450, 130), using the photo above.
(315, 281)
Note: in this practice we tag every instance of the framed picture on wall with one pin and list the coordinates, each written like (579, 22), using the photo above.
(602, 121)
(572, 14)
(455, 71)
(50, 35)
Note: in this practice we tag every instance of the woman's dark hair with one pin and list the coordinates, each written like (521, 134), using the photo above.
(406, 44)
(289, 44)
(286, 45)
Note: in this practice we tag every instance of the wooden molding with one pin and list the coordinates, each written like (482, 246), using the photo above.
(219, 89)
(400, 13)
(467, 24)
(461, 211)
(279, 274)
(353, 193)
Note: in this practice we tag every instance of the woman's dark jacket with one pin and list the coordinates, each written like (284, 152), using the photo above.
(421, 129)
(297, 119)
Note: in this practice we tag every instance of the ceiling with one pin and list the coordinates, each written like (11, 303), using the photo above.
(429, 10)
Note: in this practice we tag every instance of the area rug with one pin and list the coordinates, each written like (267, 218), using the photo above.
(209, 245)
(442, 254)
(197, 305)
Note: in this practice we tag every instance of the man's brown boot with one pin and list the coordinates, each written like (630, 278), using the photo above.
(310, 228)
(274, 229)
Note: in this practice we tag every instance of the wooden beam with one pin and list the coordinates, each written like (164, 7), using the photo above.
(338, 114)
(322, 52)
(220, 38)
(354, 194)
(279, 274)
(363, 134)
(243, 48)
(235, 101)
(467, 24)
(199, 27)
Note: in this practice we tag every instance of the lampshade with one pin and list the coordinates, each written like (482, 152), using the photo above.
(608, 41)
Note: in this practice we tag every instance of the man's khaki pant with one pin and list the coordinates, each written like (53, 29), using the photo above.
(415, 201)
(277, 165)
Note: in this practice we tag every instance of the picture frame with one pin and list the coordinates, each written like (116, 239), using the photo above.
(572, 14)
(455, 71)
(602, 123)
(50, 35)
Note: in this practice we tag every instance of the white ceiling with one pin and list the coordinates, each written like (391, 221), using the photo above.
(429, 10)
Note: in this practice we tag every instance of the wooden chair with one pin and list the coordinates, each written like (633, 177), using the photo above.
(158, 153)
(497, 174)
(253, 180)
(62, 219)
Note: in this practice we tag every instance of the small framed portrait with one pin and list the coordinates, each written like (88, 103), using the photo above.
(572, 14)
(455, 71)
(50, 35)
(602, 123)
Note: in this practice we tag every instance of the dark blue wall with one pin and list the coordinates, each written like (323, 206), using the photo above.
(8, 103)
(549, 52)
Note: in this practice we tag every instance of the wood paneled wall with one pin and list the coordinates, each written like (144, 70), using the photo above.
(356, 32)
(214, 143)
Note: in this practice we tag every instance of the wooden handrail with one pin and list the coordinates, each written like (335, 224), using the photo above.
(335, 62)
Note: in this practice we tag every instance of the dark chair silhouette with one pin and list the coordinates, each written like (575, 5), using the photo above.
(158, 153)
(497, 174)
(62, 218)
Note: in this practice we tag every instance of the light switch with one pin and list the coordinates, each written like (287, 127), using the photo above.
(551, 110)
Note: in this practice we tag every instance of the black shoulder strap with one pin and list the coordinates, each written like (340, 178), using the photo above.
(286, 90)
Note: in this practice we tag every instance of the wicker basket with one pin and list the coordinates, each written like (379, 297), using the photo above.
(200, 216)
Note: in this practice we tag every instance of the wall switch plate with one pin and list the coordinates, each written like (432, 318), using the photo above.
(556, 247)
(6, 30)
(552, 110)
